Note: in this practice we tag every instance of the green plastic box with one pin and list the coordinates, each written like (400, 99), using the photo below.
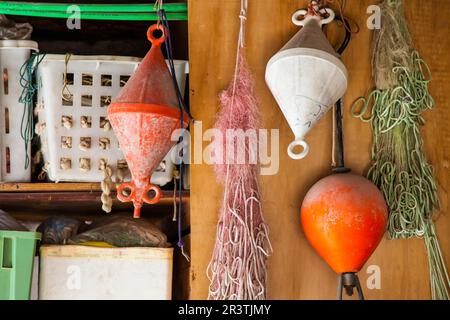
(17, 249)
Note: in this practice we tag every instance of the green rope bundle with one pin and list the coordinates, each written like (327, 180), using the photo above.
(29, 88)
(400, 168)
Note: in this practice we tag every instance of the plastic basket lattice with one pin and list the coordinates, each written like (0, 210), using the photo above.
(73, 96)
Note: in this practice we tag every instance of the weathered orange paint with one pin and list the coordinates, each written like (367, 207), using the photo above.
(144, 115)
(344, 217)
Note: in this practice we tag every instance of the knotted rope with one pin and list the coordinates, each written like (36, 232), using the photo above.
(106, 186)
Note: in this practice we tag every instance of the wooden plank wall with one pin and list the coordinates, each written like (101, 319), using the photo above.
(295, 271)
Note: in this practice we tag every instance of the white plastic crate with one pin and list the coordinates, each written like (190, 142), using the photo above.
(13, 54)
(107, 75)
(90, 273)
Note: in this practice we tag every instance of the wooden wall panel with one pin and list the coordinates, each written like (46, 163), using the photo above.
(295, 271)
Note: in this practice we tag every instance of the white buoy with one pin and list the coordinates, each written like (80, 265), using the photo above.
(306, 77)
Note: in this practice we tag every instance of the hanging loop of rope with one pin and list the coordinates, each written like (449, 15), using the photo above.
(243, 20)
(183, 109)
(319, 8)
(241, 41)
(29, 89)
(169, 52)
(158, 6)
(399, 164)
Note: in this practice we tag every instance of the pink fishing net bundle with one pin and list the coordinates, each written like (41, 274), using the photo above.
(238, 266)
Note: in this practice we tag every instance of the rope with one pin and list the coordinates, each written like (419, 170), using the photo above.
(40, 128)
(66, 142)
(121, 171)
(104, 143)
(176, 176)
(65, 164)
(85, 122)
(244, 277)
(158, 6)
(241, 45)
(399, 165)
(66, 95)
(38, 109)
(67, 122)
(105, 124)
(29, 89)
(85, 143)
(106, 186)
(333, 139)
(44, 171)
(243, 20)
(169, 52)
(346, 21)
(337, 126)
(85, 164)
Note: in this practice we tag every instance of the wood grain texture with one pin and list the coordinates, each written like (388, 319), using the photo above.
(45, 187)
(295, 271)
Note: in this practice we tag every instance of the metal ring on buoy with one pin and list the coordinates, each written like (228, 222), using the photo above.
(298, 143)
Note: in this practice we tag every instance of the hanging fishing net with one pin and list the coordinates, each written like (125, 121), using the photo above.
(237, 270)
(399, 165)
(238, 267)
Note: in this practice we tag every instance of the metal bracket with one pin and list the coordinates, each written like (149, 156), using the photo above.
(349, 281)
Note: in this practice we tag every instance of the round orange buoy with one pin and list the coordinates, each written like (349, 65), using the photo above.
(344, 217)
(144, 115)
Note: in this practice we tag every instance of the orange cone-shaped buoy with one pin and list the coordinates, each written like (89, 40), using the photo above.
(144, 116)
(344, 217)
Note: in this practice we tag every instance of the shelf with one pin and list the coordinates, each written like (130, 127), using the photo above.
(86, 190)
(79, 192)
(75, 196)
(129, 12)
(91, 7)
(39, 199)
(48, 194)
(49, 187)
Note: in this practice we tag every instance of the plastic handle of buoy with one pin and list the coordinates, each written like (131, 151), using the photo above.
(301, 17)
(156, 197)
(151, 36)
(132, 196)
(121, 196)
(298, 143)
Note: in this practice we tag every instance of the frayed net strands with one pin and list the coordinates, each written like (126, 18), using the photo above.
(400, 168)
(237, 270)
